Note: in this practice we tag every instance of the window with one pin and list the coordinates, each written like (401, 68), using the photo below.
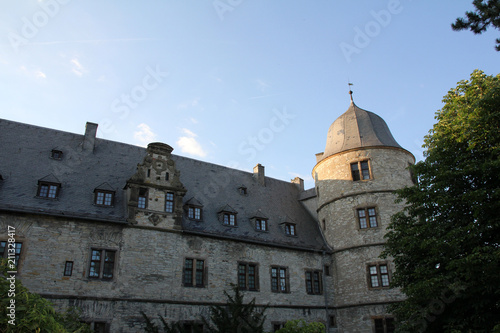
(102, 264)
(248, 276)
(11, 251)
(169, 202)
(378, 276)
(101, 327)
(360, 170)
(242, 190)
(56, 154)
(48, 190)
(68, 268)
(229, 219)
(367, 217)
(167, 176)
(384, 325)
(190, 327)
(290, 229)
(194, 273)
(279, 279)
(104, 198)
(142, 200)
(194, 213)
(332, 321)
(327, 270)
(278, 326)
(261, 225)
(313, 283)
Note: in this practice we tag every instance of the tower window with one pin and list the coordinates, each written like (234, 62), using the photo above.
(378, 276)
(142, 200)
(360, 170)
(367, 217)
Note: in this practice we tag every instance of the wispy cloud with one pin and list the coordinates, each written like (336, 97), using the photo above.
(40, 74)
(144, 135)
(77, 68)
(188, 144)
(192, 103)
(262, 85)
(94, 41)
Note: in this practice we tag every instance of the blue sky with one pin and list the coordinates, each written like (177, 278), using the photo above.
(234, 82)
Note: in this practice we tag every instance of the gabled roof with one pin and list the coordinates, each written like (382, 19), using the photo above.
(25, 157)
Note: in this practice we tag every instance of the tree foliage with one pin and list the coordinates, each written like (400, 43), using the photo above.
(446, 242)
(236, 316)
(487, 13)
(33, 313)
(300, 326)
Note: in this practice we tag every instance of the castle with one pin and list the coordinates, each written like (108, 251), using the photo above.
(117, 229)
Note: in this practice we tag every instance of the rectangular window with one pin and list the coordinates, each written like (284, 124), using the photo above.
(360, 170)
(194, 213)
(48, 190)
(247, 276)
(11, 252)
(261, 225)
(278, 326)
(384, 325)
(56, 154)
(290, 229)
(313, 282)
(142, 200)
(378, 276)
(68, 268)
(279, 279)
(101, 327)
(102, 263)
(230, 219)
(104, 198)
(367, 217)
(192, 327)
(169, 202)
(194, 273)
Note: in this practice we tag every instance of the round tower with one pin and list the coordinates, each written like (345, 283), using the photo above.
(355, 179)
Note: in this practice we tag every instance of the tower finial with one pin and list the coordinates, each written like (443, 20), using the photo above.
(350, 91)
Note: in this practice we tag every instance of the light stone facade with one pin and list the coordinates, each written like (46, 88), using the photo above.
(150, 241)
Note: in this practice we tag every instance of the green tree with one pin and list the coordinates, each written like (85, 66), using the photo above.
(236, 316)
(487, 13)
(446, 242)
(300, 326)
(32, 313)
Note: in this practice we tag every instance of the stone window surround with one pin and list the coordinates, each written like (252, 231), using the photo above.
(103, 251)
(312, 276)
(142, 198)
(358, 163)
(279, 279)
(256, 275)
(68, 268)
(194, 270)
(378, 274)
(169, 202)
(366, 207)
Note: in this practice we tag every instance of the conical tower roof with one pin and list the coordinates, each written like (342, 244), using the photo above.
(357, 128)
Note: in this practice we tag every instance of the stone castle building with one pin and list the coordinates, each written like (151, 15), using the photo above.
(117, 229)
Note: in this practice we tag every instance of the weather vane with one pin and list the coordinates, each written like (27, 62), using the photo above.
(350, 91)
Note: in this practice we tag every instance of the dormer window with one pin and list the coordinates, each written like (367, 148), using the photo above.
(230, 219)
(48, 190)
(261, 224)
(194, 213)
(242, 190)
(142, 200)
(360, 170)
(56, 154)
(290, 229)
(104, 198)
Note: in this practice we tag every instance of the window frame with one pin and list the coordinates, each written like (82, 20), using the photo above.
(259, 222)
(229, 219)
(290, 229)
(386, 327)
(367, 217)
(142, 198)
(169, 203)
(104, 194)
(279, 279)
(102, 264)
(246, 276)
(56, 154)
(194, 271)
(358, 174)
(18, 250)
(70, 265)
(194, 208)
(47, 193)
(381, 282)
(311, 277)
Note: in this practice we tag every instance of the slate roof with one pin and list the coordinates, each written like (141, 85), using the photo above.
(25, 152)
(357, 128)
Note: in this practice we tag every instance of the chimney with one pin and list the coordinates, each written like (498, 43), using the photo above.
(89, 137)
(300, 183)
(258, 173)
